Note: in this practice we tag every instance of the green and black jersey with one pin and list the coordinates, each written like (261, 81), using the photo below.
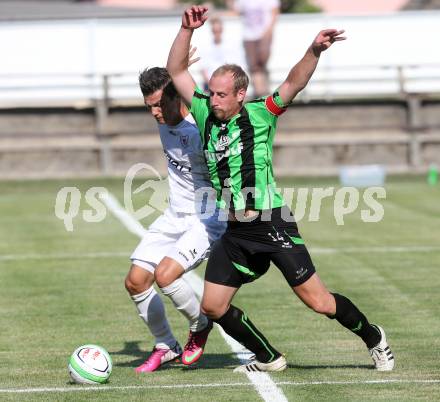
(239, 152)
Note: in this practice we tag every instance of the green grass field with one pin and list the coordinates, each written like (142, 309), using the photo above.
(60, 289)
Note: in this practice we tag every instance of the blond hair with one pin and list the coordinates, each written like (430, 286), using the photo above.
(241, 80)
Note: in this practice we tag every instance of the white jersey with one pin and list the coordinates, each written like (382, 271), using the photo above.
(187, 170)
(181, 233)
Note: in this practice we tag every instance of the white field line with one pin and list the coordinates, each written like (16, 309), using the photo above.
(103, 388)
(126, 219)
(62, 256)
(261, 381)
(312, 250)
(373, 249)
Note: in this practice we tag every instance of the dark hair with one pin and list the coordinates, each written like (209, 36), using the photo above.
(153, 79)
(241, 80)
(170, 91)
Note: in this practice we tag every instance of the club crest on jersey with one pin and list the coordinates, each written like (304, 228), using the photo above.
(184, 140)
(222, 143)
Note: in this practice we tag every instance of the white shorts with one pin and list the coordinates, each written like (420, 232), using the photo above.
(183, 237)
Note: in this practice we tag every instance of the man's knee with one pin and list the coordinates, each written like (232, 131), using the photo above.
(167, 272)
(213, 311)
(134, 287)
(256, 68)
(216, 298)
(138, 280)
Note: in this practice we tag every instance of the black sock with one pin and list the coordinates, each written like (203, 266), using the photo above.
(348, 315)
(237, 324)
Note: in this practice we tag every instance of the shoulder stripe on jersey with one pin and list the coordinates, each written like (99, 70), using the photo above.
(273, 108)
(200, 96)
(256, 100)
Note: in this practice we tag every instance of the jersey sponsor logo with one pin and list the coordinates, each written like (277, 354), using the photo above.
(235, 134)
(221, 153)
(176, 164)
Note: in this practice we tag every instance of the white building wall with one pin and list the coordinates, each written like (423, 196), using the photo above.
(64, 59)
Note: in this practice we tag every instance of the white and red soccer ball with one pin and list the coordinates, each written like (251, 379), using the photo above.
(90, 364)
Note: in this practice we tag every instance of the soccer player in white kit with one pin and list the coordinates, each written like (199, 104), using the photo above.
(180, 239)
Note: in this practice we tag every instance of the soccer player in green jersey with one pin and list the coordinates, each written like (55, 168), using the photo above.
(237, 139)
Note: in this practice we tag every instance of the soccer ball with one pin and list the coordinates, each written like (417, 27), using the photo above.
(90, 364)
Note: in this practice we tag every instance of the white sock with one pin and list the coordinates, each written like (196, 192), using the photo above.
(185, 301)
(152, 311)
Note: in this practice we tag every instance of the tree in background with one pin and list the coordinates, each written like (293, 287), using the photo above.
(298, 6)
(287, 6)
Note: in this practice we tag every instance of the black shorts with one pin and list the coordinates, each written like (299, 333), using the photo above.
(245, 251)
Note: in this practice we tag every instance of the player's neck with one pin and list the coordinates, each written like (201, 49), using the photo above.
(175, 120)
(233, 113)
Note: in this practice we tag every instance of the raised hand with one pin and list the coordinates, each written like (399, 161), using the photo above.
(325, 39)
(194, 17)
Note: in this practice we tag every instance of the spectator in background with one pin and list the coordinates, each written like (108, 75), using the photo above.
(218, 53)
(259, 17)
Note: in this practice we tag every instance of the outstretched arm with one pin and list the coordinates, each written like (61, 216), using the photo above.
(300, 74)
(177, 65)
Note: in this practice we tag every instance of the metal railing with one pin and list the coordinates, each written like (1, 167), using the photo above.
(408, 83)
(328, 83)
